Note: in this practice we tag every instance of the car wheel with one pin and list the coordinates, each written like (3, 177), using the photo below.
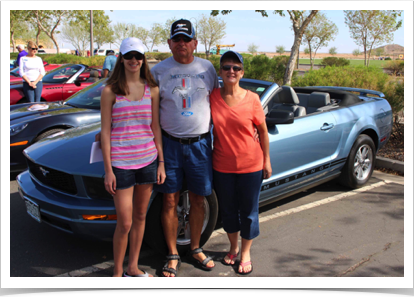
(360, 164)
(154, 235)
(47, 133)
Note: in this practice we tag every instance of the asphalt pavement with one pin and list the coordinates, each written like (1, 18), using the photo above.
(326, 232)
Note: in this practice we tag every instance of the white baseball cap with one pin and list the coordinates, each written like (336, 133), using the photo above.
(131, 44)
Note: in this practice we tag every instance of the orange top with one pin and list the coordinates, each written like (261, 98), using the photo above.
(235, 150)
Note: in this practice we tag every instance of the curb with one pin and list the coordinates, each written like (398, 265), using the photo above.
(389, 164)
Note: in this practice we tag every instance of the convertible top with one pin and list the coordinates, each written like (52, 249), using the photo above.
(345, 98)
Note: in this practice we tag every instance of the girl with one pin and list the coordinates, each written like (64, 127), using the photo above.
(131, 141)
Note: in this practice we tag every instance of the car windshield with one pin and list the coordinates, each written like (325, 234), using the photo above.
(61, 74)
(89, 97)
(15, 72)
(255, 87)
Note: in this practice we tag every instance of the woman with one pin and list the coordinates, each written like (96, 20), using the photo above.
(239, 161)
(32, 70)
(131, 141)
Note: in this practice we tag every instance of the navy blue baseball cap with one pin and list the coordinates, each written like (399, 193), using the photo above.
(183, 27)
(234, 54)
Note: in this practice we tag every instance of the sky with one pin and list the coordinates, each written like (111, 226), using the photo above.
(244, 27)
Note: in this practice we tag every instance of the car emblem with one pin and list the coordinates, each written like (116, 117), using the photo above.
(44, 171)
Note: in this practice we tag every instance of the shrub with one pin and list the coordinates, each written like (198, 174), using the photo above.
(200, 55)
(215, 60)
(162, 56)
(394, 93)
(397, 67)
(387, 58)
(333, 61)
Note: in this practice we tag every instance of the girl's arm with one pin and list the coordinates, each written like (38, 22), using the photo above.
(107, 101)
(156, 129)
(264, 143)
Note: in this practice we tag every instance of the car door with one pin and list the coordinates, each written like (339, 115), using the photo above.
(70, 88)
(301, 151)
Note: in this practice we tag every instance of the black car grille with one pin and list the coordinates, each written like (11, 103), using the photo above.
(95, 188)
(53, 178)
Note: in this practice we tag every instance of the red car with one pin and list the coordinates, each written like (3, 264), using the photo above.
(60, 83)
(14, 74)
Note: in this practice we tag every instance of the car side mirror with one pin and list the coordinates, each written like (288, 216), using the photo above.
(81, 78)
(279, 117)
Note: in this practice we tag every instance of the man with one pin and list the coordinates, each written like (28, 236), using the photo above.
(185, 83)
(21, 54)
(109, 63)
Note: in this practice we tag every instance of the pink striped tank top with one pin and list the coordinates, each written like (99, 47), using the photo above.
(132, 140)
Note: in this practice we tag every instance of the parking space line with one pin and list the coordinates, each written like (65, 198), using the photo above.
(109, 264)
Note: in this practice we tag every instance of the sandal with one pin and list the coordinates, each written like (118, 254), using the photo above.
(231, 257)
(201, 264)
(171, 270)
(243, 264)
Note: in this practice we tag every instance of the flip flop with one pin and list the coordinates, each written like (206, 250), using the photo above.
(243, 264)
(137, 275)
(231, 259)
(201, 264)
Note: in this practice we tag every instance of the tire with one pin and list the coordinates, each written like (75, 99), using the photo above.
(360, 164)
(47, 133)
(154, 235)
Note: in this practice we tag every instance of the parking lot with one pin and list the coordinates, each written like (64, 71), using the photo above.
(328, 231)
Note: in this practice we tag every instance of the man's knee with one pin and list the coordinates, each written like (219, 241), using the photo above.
(170, 202)
(196, 201)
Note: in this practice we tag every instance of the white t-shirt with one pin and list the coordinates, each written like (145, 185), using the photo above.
(31, 67)
(185, 96)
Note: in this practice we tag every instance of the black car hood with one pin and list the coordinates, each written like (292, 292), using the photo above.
(23, 112)
(68, 152)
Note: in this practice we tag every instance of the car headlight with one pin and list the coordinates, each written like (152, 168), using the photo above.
(15, 129)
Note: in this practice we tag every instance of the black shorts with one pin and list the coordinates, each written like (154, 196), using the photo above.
(126, 178)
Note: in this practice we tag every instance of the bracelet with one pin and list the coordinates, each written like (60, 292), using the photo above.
(160, 161)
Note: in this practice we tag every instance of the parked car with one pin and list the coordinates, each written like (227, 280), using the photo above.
(15, 77)
(59, 84)
(102, 51)
(31, 122)
(316, 134)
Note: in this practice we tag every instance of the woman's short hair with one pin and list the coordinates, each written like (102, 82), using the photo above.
(31, 45)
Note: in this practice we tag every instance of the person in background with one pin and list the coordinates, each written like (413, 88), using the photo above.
(32, 70)
(132, 150)
(77, 52)
(109, 63)
(88, 52)
(239, 162)
(22, 53)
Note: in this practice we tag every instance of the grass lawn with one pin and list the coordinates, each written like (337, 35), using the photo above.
(376, 63)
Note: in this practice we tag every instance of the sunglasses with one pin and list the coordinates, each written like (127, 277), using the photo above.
(186, 39)
(228, 67)
(137, 56)
(34, 49)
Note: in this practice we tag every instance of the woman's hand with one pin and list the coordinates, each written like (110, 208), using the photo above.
(267, 170)
(110, 183)
(161, 173)
(32, 84)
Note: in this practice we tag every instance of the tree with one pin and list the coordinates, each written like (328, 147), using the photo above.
(371, 28)
(154, 36)
(356, 52)
(299, 24)
(332, 51)
(317, 34)
(124, 30)
(17, 25)
(77, 35)
(49, 20)
(166, 32)
(210, 31)
(380, 52)
(102, 31)
(252, 48)
(280, 49)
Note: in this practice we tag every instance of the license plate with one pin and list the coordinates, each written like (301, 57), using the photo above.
(33, 210)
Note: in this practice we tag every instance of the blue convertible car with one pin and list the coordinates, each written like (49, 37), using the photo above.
(316, 134)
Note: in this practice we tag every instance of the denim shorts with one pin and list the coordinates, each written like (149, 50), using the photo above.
(190, 161)
(238, 196)
(126, 178)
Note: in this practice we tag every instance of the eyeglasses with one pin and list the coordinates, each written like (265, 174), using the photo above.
(137, 56)
(186, 39)
(34, 49)
(228, 67)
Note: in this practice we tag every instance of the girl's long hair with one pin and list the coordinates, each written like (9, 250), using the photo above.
(117, 79)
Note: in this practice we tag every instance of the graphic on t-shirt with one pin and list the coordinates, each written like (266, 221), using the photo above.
(184, 92)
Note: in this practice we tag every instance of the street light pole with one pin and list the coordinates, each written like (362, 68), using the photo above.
(91, 33)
